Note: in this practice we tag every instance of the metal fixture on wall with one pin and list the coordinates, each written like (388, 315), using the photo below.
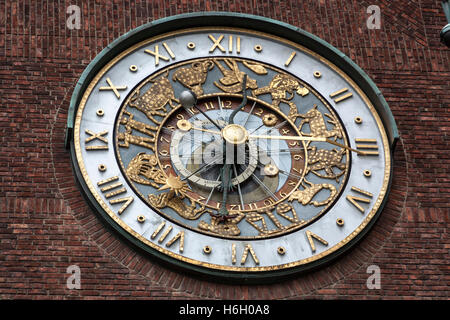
(445, 32)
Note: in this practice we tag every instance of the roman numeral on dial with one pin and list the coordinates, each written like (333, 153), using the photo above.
(248, 249)
(341, 95)
(233, 43)
(367, 146)
(179, 237)
(311, 237)
(354, 199)
(94, 137)
(158, 55)
(111, 188)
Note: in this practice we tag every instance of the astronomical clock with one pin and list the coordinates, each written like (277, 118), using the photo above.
(231, 145)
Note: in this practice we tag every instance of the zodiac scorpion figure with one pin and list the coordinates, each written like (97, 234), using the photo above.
(305, 196)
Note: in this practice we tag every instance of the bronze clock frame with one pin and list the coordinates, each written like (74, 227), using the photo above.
(253, 24)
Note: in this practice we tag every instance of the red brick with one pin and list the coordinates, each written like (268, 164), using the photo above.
(45, 224)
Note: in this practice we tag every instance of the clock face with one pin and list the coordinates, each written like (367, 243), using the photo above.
(231, 151)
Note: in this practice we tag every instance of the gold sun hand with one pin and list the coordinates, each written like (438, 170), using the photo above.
(185, 125)
(303, 138)
(297, 138)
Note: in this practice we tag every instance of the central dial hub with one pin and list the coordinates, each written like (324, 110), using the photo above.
(235, 134)
(262, 173)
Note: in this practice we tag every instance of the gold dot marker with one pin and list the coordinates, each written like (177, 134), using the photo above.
(367, 173)
(184, 125)
(133, 68)
(270, 120)
(258, 48)
(281, 251)
(101, 168)
(207, 249)
(358, 120)
(340, 222)
(317, 74)
(141, 219)
(191, 45)
(271, 170)
(100, 112)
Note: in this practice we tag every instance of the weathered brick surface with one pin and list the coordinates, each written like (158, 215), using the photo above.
(45, 225)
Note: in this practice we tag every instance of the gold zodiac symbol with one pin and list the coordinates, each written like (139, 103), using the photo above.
(194, 76)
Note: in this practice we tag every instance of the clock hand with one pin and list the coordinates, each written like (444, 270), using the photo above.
(345, 147)
(226, 169)
(297, 138)
(243, 103)
(302, 138)
(189, 126)
(239, 187)
(249, 114)
(188, 99)
(203, 168)
(264, 187)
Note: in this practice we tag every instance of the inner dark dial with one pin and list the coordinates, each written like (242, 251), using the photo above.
(263, 171)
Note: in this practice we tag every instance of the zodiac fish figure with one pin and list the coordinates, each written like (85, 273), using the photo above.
(258, 221)
(323, 159)
(146, 165)
(305, 196)
(153, 102)
(281, 89)
(194, 76)
(233, 78)
(226, 227)
(174, 199)
(318, 126)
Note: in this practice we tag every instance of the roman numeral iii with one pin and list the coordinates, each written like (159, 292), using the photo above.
(367, 146)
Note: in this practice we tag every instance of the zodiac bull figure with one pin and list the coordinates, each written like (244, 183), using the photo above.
(194, 76)
(153, 102)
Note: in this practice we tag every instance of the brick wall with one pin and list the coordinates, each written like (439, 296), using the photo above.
(46, 226)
